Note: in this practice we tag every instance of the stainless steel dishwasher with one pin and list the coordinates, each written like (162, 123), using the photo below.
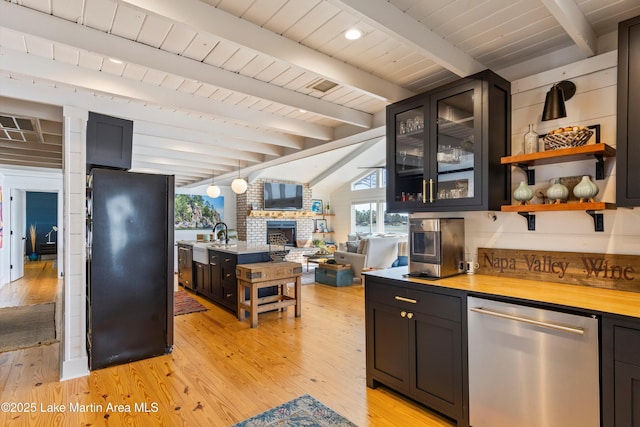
(530, 367)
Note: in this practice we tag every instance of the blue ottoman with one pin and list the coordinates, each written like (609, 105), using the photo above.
(326, 276)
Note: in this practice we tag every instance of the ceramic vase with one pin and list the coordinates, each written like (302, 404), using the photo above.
(585, 189)
(557, 192)
(523, 194)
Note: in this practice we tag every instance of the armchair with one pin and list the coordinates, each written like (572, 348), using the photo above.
(376, 252)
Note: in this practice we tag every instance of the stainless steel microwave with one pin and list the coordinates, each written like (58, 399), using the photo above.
(436, 247)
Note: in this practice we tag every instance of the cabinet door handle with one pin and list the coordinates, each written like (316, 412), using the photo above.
(228, 275)
(227, 260)
(431, 190)
(403, 314)
(410, 315)
(424, 191)
(412, 301)
(214, 264)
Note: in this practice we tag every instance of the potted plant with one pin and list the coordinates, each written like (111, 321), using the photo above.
(33, 256)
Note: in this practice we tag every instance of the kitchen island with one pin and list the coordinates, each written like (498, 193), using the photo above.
(215, 269)
(417, 336)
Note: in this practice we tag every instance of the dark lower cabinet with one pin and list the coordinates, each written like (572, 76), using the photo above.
(628, 129)
(217, 281)
(621, 372)
(416, 345)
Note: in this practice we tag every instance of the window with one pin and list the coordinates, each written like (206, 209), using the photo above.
(366, 219)
(368, 182)
(365, 215)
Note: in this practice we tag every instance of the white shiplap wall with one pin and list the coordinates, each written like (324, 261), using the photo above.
(594, 103)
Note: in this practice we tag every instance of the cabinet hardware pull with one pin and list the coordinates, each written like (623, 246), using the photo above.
(412, 301)
(227, 259)
(214, 264)
(410, 315)
(571, 329)
(228, 275)
(424, 191)
(403, 313)
(431, 190)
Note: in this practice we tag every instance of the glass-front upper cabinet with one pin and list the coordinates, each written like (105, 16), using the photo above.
(444, 147)
(407, 154)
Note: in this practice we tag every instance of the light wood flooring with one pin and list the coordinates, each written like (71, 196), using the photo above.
(220, 372)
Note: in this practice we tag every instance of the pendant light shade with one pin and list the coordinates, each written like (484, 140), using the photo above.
(213, 190)
(239, 185)
(554, 107)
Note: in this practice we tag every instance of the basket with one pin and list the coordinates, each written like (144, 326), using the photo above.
(574, 138)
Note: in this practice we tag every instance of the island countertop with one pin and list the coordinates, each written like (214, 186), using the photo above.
(237, 247)
(572, 296)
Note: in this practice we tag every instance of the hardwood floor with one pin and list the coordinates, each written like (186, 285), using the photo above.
(40, 284)
(220, 372)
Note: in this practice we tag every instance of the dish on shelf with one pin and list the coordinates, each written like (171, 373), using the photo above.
(574, 136)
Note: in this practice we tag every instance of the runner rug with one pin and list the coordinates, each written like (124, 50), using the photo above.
(27, 326)
(302, 411)
(183, 303)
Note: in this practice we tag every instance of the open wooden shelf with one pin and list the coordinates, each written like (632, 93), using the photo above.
(527, 211)
(596, 151)
(562, 155)
(571, 206)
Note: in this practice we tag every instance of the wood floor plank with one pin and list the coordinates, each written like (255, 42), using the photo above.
(222, 371)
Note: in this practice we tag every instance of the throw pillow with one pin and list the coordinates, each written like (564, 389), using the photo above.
(352, 246)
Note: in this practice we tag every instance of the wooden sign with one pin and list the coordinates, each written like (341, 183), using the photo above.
(609, 271)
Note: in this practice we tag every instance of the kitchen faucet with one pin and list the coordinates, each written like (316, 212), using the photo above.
(226, 231)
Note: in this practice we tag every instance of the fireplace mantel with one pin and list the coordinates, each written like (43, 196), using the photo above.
(281, 214)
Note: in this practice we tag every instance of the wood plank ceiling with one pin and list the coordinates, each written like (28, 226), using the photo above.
(215, 85)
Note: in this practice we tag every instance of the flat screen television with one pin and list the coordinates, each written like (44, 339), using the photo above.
(279, 196)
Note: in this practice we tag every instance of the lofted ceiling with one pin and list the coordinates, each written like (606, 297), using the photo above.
(272, 88)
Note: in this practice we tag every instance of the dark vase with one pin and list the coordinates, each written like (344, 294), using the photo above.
(33, 256)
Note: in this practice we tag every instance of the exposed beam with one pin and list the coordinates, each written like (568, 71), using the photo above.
(389, 19)
(25, 63)
(143, 115)
(204, 17)
(58, 30)
(365, 146)
(571, 18)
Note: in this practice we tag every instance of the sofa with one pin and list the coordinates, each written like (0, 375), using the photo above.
(372, 252)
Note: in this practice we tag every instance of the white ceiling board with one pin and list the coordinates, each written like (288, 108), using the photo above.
(233, 76)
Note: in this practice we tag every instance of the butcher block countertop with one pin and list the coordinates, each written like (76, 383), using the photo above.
(573, 296)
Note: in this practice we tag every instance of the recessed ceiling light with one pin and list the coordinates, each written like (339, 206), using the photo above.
(353, 34)
(115, 61)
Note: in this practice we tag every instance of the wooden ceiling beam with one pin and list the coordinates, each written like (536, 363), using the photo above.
(570, 17)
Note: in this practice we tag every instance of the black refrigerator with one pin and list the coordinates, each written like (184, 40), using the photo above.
(129, 266)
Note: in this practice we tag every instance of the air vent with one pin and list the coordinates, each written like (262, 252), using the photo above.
(322, 85)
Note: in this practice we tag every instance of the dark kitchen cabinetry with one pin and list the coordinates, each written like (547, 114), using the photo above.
(628, 129)
(217, 280)
(621, 372)
(109, 142)
(416, 345)
(444, 147)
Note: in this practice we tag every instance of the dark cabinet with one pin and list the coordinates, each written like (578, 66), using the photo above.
(628, 127)
(203, 279)
(219, 282)
(444, 147)
(109, 142)
(415, 345)
(621, 372)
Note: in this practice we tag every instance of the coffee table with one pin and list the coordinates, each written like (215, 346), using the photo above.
(317, 258)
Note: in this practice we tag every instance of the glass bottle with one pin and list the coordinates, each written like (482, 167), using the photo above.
(530, 141)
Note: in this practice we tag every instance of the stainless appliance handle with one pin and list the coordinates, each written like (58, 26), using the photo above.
(573, 330)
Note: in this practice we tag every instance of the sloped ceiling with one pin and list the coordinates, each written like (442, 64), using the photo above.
(267, 86)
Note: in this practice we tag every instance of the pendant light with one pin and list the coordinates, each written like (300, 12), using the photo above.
(213, 190)
(239, 185)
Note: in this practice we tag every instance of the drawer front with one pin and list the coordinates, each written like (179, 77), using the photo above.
(627, 345)
(429, 303)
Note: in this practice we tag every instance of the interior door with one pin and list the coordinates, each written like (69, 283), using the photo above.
(18, 226)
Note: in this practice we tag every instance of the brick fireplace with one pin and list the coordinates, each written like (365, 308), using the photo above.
(254, 230)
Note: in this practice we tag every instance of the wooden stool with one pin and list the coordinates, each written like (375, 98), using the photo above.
(264, 275)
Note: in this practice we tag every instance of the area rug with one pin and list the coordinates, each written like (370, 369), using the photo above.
(27, 326)
(302, 411)
(184, 304)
